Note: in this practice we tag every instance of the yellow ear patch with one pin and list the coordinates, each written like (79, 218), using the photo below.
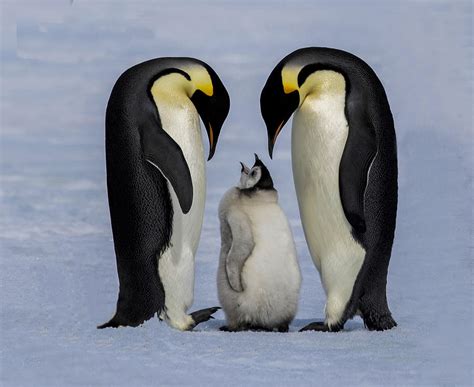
(206, 88)
(289, 78)
(201, 80)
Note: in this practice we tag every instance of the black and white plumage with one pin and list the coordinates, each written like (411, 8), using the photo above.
(258, 279)
(156, 184)
(344, 160)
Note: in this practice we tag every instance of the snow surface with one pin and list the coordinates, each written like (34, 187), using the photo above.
(58, 276)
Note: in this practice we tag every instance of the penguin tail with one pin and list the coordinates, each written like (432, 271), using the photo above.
(141, 294)
(113, 323)
(131, 317)
(118, 321)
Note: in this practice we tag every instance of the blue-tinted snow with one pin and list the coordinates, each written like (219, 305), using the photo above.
(58, 278)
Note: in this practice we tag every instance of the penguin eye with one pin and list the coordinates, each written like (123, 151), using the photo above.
(253, 173)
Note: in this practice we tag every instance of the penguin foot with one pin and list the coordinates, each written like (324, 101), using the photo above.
(203, 315)
(255, 328)
(321, 326)
(376, 322)
(283, 328)
(240, 328)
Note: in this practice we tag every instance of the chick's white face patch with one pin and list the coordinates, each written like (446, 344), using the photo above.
(250, 177)
(244, 174)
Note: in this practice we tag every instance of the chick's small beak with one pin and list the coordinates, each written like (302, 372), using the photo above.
(244, 169)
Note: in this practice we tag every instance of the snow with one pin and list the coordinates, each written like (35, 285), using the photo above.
(58, 276)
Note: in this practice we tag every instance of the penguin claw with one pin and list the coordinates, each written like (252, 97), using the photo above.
(318, 326)
(203, 315)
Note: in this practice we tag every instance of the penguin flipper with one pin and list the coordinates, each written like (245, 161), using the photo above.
(241, 248)
(359, 152)
(165, 154)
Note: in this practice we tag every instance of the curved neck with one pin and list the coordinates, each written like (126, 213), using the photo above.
(172, 85)
(322, 83)
(183, 79)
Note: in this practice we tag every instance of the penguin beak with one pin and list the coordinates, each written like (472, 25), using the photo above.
(272, 137)
(244, 168)
(212, 109)
(212, 143)
(276, 106)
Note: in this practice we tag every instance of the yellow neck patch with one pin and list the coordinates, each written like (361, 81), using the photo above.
(174, 84)
(289, 78)
(323, 82)
(320, 82)
(200, 79)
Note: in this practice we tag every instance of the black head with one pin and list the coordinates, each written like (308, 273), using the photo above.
(209, 97)
(257, 177)
(277, 103)
(213, 109)
(265, 181)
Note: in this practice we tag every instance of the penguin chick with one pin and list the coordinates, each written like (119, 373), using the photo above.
(258, 279)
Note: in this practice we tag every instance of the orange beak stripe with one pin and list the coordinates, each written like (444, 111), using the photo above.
(211, 136)
(277, 132)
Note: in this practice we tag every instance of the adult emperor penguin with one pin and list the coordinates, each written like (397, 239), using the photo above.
(344, 158)
(156, 184)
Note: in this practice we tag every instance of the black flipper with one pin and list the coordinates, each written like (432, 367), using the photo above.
(359, 152)
(171, 162)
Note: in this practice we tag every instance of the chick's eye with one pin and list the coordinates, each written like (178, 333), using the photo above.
(252, 173)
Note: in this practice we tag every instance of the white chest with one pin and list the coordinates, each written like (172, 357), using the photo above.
(268, 221)
(180, 120)
(319, 136)
(270, 275)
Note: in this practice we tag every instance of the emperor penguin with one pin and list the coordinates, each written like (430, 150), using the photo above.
(156, 182)
(258, 279)
(344, 159)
